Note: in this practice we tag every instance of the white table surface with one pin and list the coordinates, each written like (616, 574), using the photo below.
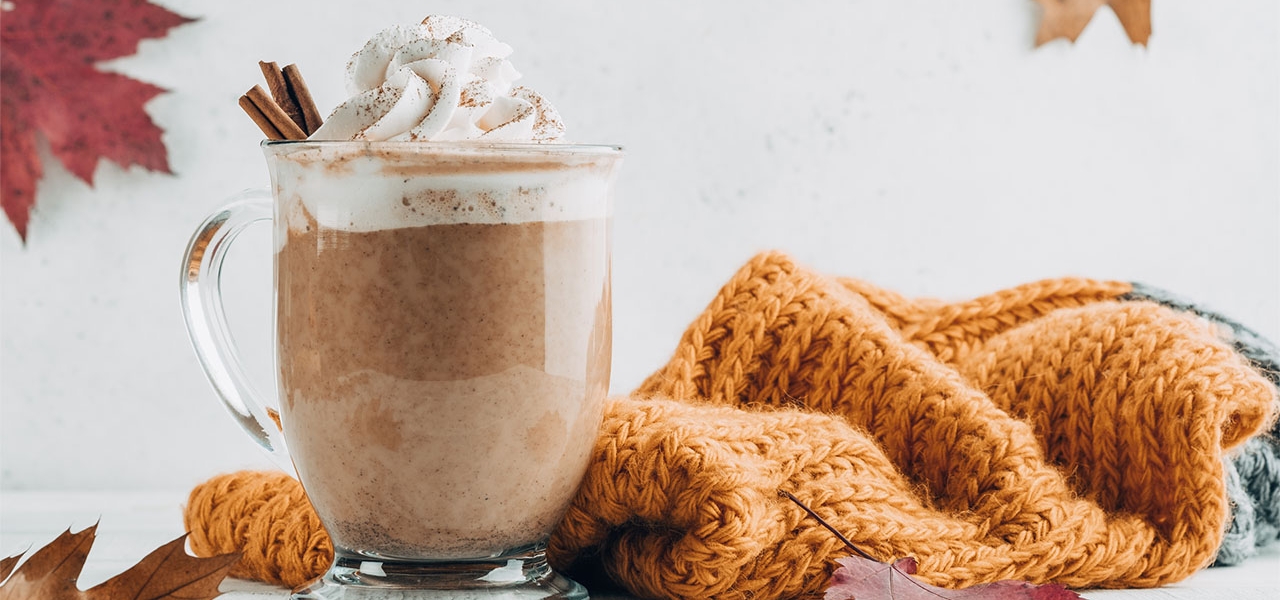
(131, 524)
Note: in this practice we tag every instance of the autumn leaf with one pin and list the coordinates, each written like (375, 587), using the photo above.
(864, 579)
(1068, 18)
(50, 573)
(48, 53)
(6, 566)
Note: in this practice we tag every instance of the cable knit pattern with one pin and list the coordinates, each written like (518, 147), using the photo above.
(1047, 432)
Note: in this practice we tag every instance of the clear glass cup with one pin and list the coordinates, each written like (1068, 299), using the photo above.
(443, 343)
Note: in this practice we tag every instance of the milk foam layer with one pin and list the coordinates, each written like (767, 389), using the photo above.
(445, 79)
(360, 187)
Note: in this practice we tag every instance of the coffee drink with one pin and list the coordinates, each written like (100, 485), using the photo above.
(443, 329)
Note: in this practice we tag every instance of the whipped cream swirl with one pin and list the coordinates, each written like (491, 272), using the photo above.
(444, 79)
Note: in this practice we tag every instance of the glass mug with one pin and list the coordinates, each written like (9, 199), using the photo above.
(443, 344)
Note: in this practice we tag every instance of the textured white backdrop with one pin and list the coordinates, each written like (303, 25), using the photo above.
(919, 144)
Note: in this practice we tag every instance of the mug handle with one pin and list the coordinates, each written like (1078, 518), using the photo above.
(207, 322)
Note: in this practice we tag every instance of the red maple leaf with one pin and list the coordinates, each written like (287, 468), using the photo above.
(49, 84)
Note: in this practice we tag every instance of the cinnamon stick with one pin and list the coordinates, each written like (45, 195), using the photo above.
(260, 119)
(274, 114)
(280, 92)
(302, 97)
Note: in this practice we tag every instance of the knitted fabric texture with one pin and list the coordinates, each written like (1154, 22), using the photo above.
(1047, 432)
(264, 515)
(1253, 471)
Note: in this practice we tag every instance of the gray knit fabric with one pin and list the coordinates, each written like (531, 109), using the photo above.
(1257, 466)
(1253, 470)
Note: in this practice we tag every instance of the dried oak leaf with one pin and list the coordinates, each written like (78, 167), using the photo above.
(1068, 18)
(48, 50)
(863, 579)
(50, 573)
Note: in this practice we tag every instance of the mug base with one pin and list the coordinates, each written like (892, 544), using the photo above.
(521, 574)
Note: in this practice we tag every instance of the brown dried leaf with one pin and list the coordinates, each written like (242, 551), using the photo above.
(51, 572)
(167, 573)
(7, 564)
(1135, 16)
(1068, 18)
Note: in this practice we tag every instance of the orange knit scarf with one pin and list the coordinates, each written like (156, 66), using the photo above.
(1046, 432)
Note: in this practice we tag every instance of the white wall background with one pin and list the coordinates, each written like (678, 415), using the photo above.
(923, 145)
